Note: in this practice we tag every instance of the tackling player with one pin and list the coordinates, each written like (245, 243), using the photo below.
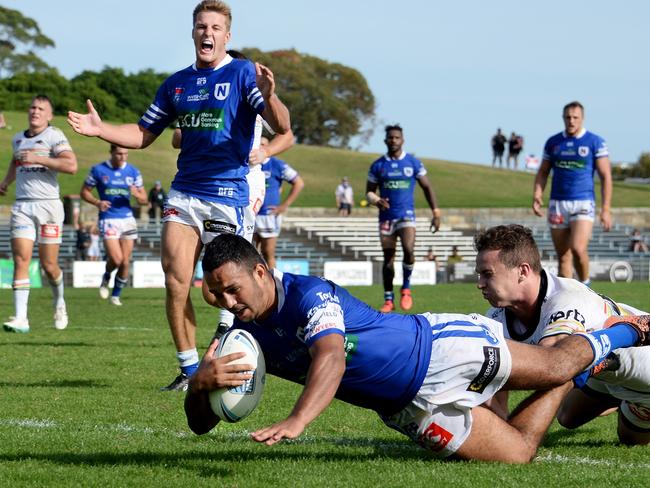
(536, 307)
(116, 180)
(573, 156)
(39, 154)
(429, 384)
(269, 218)
(215, 101)
(395, 174)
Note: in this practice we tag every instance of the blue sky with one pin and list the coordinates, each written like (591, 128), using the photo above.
(449, 72)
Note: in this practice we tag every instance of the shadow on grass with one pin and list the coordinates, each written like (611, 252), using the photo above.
(56, 384)
(581, 437)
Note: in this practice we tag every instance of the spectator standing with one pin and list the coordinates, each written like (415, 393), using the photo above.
(515, 146)
(452, 260)
(498, 147)
(574, 155)
(344, 197)
(157, 199)
(83, 242)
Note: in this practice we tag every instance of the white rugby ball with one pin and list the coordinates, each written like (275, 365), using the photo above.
(236, 403)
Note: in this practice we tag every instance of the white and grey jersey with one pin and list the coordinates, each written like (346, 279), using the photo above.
(35, 181)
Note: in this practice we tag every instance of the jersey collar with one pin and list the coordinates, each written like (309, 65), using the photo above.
(108, 163)
(510, 317)
(582, 132)
(223, 62)
(279, 288)
(398, 158)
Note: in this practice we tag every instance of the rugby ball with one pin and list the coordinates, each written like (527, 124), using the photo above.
(236, 403)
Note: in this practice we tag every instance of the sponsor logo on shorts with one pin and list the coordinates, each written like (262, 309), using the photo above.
(641, 412)
(50, 230)
(219, 227)
(169, 211)
(435, 437)
(488, 370)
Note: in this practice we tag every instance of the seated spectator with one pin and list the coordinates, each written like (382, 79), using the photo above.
(637, 243)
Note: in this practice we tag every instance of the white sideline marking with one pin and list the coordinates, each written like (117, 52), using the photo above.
(29, 423)
(558, 458)
(115, 328)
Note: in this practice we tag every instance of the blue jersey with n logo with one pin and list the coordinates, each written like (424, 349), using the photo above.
(275, 172)
(573, 163)
(114, 186)
(215, 109)
(396, 181)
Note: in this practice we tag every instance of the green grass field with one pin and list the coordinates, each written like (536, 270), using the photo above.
(457, 185)
(81, 407)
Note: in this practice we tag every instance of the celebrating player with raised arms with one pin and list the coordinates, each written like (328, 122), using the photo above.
(215, 102)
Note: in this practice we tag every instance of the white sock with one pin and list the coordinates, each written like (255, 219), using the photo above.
(226, 317)
(21, 296)
(187, 358)
(57, 291)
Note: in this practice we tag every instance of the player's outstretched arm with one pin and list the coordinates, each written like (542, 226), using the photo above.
(213, 373)
(275, 112)
(131, 136)
(323, 379)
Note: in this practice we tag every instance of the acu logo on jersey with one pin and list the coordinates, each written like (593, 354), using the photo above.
(221, 91)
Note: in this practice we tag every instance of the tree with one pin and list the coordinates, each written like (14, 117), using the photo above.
(330, 103)
(17, 34)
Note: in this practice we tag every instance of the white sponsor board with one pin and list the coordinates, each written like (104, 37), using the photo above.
(88, 274)
(424, 273)
(349, 273)
(148, 274)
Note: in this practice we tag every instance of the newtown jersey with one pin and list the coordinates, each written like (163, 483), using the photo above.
(573, 161)
(396, 181)
(567, 306)
(216, 110)
(275, 172)
(387, 355)
(113, 185)
(34, 181)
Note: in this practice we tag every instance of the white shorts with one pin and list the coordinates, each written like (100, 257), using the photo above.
(562, 212)
(43, 218)
(268, 226)
(256, 193)
(389, 227)
(126, 228)
(210, 218)
(635, 404)
(470, 362)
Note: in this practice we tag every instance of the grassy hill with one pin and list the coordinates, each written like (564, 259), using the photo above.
(456, 184)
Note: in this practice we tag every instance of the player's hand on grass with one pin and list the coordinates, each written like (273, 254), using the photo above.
(290, 428)
(86, 124)
(215, 373)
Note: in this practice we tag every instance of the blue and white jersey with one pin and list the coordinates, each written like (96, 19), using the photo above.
(387, 355)
(396, 181)
(113, 185)
(216, 110)
(275, 172)
(573, 164)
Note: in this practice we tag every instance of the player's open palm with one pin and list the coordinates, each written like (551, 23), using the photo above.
(86, 124)
(290, 428)
(264, 80)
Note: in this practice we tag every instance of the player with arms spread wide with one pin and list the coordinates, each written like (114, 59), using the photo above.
(215, 102)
